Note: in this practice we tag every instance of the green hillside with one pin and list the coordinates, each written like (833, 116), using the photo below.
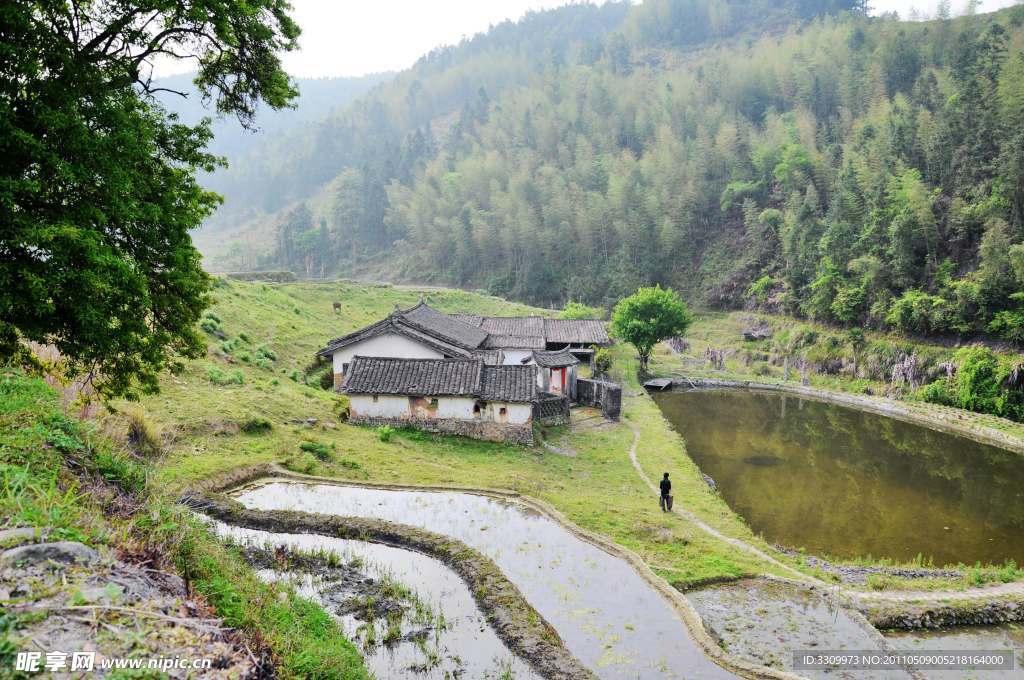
(862, 171)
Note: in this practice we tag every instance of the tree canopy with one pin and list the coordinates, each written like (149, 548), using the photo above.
(97, 180)
(649, 316)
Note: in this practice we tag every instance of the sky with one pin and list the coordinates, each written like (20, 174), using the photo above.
(355, 38)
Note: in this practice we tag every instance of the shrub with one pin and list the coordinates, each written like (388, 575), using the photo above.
(602, 360)
(578, 310)
(244, 337)
(266, 353)
(245, 357)
(385, 432)
(256, 424)
(982, 383)
(319, 451)
(143, 435)
(920, 313)
(211, 326)
(221, 377)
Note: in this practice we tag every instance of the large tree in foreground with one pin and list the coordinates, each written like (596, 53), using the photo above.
(649, 316)
(97, 181)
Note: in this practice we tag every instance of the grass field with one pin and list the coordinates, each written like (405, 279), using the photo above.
(201, 422)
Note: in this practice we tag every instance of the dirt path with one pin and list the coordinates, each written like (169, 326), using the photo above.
(1015, 589)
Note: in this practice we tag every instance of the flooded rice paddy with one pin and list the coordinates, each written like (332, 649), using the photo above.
(609, 617)
(837, 481)
(765, 621)
(1006, 636)
(411, 615)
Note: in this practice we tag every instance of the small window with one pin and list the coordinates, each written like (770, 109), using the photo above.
(344, 368)
(502, 411)
(375, 398)
(433, 403)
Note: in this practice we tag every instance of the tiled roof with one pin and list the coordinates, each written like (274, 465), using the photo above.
(554, 359)
(586, 331)
(470, 319)
(490, 357)
(395, 323)
(441, 377)
(414, 377)
(532, 326)
(460, 335)
(445, 326)
(514, 342)
(509, 383)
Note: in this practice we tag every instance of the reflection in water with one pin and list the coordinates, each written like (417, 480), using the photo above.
(765, 622)
(612, 620)
(465, 646)
(1006, 636)
(848, 483)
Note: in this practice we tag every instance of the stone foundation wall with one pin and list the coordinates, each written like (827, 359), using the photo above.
(477, 429)
(551, 410)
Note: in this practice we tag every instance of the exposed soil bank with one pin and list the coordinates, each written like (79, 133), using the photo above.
(524, 631)
(953, 421)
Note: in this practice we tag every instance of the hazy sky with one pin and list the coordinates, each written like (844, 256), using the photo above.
(355, 38)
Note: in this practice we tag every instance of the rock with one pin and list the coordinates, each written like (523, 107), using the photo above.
(19, 535)
(709, 481)
(63, 552)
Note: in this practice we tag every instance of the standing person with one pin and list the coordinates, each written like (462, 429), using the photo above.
(666, 494)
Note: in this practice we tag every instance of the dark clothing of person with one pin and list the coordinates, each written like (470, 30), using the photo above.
(666, 489)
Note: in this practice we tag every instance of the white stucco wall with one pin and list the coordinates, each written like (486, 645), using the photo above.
(387, 345)
(383, 407)
(455, 407)
(514, 357)
(515, 414)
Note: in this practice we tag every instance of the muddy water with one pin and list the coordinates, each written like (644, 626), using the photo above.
(1008, 636)
(612, 620)
(842, 482)
(456, 642)
(764, 622)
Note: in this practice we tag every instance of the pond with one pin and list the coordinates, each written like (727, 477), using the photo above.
(609, 617)
(837, 481)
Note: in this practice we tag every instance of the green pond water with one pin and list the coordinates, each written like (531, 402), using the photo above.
(841, 482)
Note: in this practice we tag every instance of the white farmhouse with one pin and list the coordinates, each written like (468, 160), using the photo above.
(455, 396)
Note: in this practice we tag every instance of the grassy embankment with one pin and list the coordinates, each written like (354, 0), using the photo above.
(82, 484)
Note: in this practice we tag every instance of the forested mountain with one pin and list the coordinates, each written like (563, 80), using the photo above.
(805, 158)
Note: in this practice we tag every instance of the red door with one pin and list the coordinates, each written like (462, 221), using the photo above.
(558, 380)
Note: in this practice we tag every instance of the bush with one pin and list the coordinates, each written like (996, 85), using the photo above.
(256, 425)
(602, 360)
(982, 383)
(143, 435)
(266, 353)
(220, 377)
(578, 310)
(385, 432)
(319, 451)
(920, 313)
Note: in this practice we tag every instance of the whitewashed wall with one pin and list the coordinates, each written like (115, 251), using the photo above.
(455, 407)
(514, 357)
(387, 345)
(383, 407)
(516, 414)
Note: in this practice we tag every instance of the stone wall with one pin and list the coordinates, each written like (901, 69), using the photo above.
(477, 429)
(551, 409)
(603, 395)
